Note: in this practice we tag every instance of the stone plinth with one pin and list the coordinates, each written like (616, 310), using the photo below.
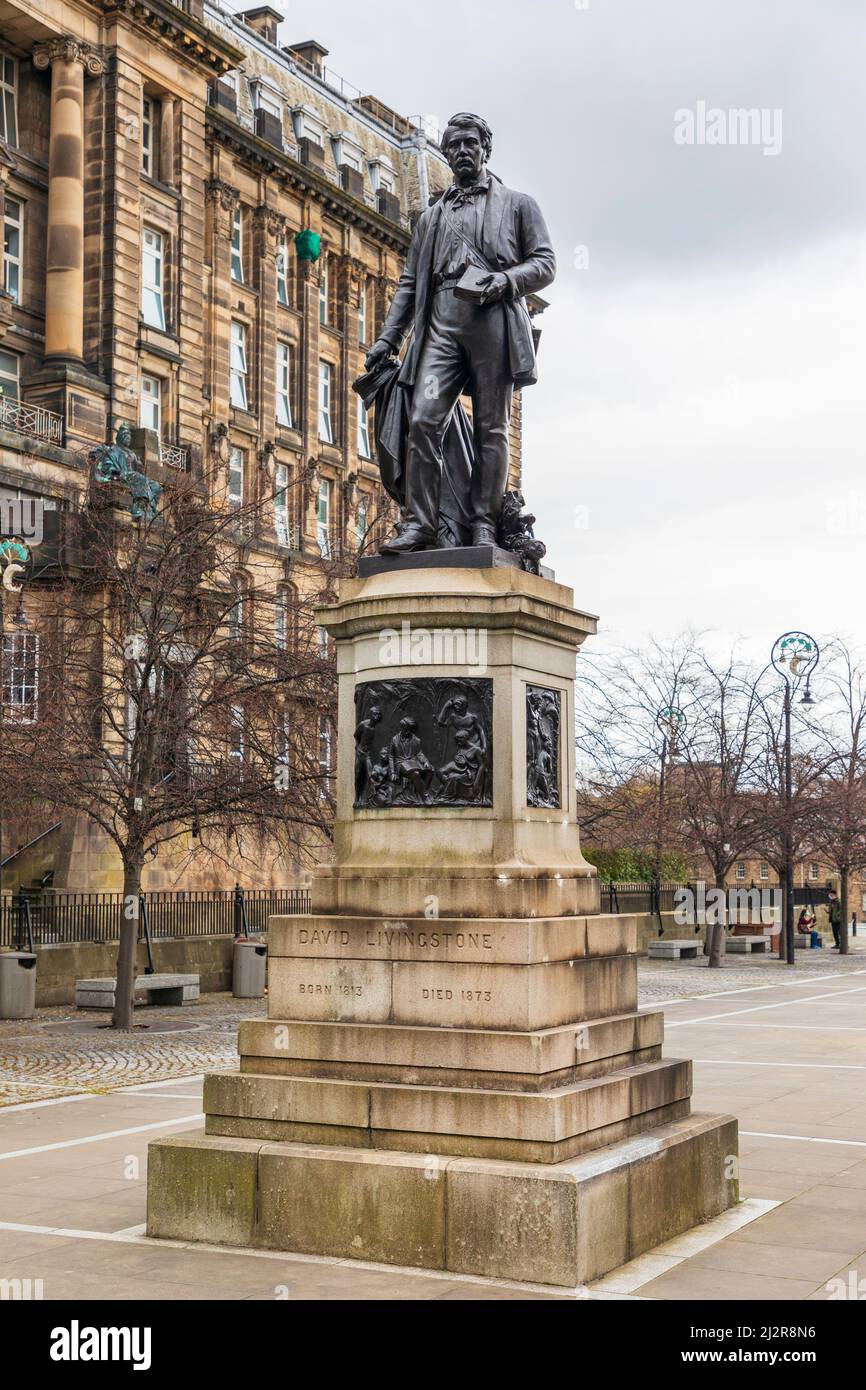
(453, 1073)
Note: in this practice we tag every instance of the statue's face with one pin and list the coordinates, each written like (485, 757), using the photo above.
(460, 705)
(124, 435)
(465, 153)
(376, 715)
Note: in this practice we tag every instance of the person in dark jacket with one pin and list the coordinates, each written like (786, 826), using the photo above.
(835, 911)
(475, 256)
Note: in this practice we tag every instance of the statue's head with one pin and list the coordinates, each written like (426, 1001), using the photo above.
(460, 704)
(124, 434)
(375, 715)
(467, 144)
(407, 727)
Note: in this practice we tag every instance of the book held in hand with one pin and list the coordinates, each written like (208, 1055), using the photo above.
(473, 284)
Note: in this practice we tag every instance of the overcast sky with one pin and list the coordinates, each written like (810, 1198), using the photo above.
(695, 446)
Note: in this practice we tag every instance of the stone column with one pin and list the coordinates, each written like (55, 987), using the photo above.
(268, 227)
(68, 59)
(222, 198)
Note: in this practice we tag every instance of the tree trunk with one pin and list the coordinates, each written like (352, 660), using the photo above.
(843, 903)
(128, 949)
(717, 934)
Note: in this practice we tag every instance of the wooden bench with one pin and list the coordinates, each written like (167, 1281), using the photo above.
(673, 949)
(747, 945)
(149, 989)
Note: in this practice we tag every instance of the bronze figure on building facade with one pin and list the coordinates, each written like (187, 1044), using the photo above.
(475, 256)
(119, 463)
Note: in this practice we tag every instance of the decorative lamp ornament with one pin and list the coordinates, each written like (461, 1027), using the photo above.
(308, 245)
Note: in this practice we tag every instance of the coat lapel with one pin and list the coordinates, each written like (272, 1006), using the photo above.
(424, 274)
(491, 233)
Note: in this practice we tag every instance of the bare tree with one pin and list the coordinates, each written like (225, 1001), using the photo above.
(185, 697)
(716, 778)
(624, 748)
(838, 819)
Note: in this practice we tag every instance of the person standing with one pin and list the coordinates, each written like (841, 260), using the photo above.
(835, 910)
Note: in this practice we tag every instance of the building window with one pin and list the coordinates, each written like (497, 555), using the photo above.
(283, 274)
(281, 503)
(236, 479)
(813, 872)
(386, 182)
(150, 404)
(238, 364)
(363, 431)
(12, 234)
(153, 279)
(323, 519)
(9, 367)
(20, 652)
(237, 615)
(325, 744)
(323, 644)
(284, 385)
(150, 117)
(237, 734)
(264, 101)
(361, 521)
(238, 245)
(362, 315)
(763, 871)
(326, 378)
(741, 872)
(8, 112)
(281, 619)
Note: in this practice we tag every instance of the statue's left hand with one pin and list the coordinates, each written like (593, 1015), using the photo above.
(495, 288)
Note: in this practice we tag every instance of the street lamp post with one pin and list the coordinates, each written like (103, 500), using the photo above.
(670, 722)
(794, 656)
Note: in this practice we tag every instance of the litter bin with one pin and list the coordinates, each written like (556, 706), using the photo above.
(17, 984)
(249, 969)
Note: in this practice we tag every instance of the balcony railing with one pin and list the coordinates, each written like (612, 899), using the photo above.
(289, 536)
(173, 456)
(32, 420)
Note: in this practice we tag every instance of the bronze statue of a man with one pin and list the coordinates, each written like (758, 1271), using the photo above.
(475, 255)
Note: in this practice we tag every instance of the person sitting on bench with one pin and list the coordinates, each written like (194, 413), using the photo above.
(806, 925)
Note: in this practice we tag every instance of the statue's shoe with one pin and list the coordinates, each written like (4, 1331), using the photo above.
(411, 538)
(484, 535)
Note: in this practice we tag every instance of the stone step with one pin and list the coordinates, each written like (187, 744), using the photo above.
(461, 1057)
(482, 940)
(563, 1225)
(475, 890)
(538, 1127)
(519, 997)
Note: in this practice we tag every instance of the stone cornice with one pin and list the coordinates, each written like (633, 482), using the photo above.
(190, 37)
(260, 155)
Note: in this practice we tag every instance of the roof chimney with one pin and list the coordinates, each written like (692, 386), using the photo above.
(310, 53)
(264, 21)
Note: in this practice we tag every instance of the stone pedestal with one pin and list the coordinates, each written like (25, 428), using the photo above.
(453, 1073)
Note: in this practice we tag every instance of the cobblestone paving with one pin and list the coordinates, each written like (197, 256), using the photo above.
(36, 1064)
(690, 979)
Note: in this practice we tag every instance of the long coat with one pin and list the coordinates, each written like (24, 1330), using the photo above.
(515, 240)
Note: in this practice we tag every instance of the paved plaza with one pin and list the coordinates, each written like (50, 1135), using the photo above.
(782, 1049)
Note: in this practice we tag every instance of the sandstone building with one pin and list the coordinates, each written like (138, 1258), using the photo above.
(158, 163)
